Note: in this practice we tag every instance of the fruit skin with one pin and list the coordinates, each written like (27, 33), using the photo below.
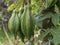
(13, 23)
(19, 32)
(27, 24)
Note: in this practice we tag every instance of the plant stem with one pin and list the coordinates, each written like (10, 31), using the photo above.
(10, 42)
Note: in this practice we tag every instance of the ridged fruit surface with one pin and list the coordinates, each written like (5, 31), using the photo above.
(27, 23)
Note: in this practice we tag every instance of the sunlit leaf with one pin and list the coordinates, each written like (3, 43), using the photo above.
(11, 7)
(19, 3)
(15, 5)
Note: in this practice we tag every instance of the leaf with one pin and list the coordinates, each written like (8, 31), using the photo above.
(42, 35)
(54, 2)
(7, 1)
(40, 17)
(55, 19)
(0, 15)
(58, 4)
(11, 7)
(43, 17)
(38, 22)
(56, 35)
(19, 3)
(48, 3)
(15, 5)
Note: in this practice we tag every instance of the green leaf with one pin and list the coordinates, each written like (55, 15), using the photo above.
(42, 35)
(11, 7)
(15, 5)
(7, 1)
(38, 22)
(55, 19)
(58, 4)
(56, 35)
(48, 3)
(0, 15)
(40, 17)
(19, 3)
(43, 17)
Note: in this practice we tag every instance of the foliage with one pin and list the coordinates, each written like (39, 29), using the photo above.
(0, 15)
(56, 35)
(45, 18)
(55, 18)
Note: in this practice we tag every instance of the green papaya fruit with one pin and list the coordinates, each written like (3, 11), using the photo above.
(20, 34)
(27, 24)
(13, 23)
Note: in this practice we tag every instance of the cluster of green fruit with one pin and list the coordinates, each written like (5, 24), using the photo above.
(22, 24)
